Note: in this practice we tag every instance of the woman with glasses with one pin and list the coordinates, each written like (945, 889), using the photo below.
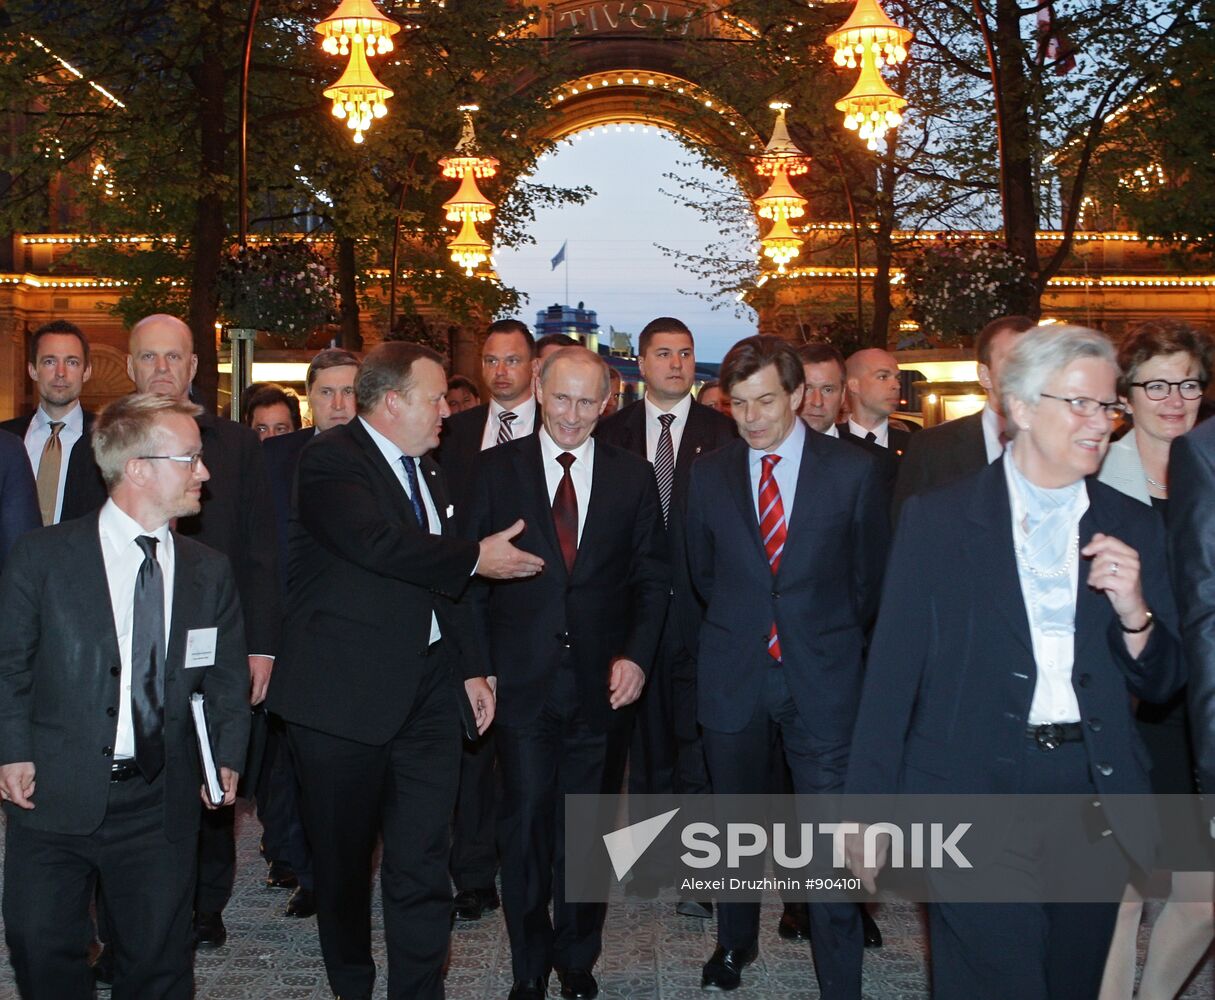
(1165, 366)
(1020, 605)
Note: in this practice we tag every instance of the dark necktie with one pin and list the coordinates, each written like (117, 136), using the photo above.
(505, 432)
(148, 661)
(49, 466)
(565, 512)
(415, 493)
(664, 465)
(772, 531)
(871, 438)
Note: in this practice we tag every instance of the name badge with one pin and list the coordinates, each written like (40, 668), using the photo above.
(200, 647)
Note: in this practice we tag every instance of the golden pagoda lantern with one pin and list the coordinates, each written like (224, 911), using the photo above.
(468, 249)
(358, 96)
(357, 23)
(782, 153)
(781, 201)
(467, 159)
(871, 108)
(468, 202)
(781, 244)
(868, 29)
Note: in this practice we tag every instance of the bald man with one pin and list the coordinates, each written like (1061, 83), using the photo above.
(873, 394)
(237, 519)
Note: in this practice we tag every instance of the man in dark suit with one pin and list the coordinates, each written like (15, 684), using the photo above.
(236, 519)
(570, 649)
(56, 435)
(507, 363)
(873, 395)
(373, 643)
(1192, 564)
(780, 647)
(952, 449)
(670, 431)
(18, 497)
(98, 758)
(329, 385)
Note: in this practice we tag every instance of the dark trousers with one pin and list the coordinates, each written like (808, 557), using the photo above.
(147, 882)
(405, 790)
(1029, 951)
(474, 855)
(745, 763)
(216, 860)
(541, 762)
(278, 806)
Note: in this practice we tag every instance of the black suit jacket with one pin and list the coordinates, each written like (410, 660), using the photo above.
(897, 438)
(1192, 564)
(19, 511)
(83, 490)
(460, 448)
(364, 581)
(237, 519)
(706, 431)
(951, 670)
(823, 599)
(612, 605)
(282, 455)
(940, 455)
(59, 677)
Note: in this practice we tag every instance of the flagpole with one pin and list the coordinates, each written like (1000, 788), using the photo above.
(566, 262)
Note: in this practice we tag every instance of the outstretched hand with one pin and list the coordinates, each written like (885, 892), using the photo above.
(501, 560)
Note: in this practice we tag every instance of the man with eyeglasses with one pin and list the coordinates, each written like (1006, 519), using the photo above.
(237, 519)
(511, 413)
(99, 772)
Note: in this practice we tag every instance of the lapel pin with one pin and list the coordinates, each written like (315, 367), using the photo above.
(697, 452)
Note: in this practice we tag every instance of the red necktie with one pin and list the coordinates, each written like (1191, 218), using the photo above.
(565, 512)
(771, 530)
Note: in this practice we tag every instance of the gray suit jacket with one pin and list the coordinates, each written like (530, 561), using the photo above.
(59, 677)
(1123, 470)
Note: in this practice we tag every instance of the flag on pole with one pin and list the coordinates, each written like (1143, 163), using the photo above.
(560, 256)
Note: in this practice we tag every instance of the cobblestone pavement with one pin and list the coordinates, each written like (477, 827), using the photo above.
(649, 953)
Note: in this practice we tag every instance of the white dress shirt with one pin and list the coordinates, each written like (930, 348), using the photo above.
(785, 473)
(881, 432)
(581, 471)
(992, 425)
(37, 435)
(653, 427)
(521, 426)
(392, 455)
(122, 559)
(1054, 697)
(832, 432)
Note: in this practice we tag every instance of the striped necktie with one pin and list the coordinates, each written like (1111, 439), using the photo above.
(505, 419)
(664, 465)
(772, 531)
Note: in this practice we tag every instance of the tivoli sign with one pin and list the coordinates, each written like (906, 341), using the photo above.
(625, 17)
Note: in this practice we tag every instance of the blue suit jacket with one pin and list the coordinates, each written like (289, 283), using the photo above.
(823, 599)
(18, 494)
(951, 670)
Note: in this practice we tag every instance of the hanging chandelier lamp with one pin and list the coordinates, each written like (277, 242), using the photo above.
(871, 108)
(358, 96)
(869, 29)
(781, 201)
(468, 205)
(870, 39)
(781, 244)
(357, 22)
(468, 249)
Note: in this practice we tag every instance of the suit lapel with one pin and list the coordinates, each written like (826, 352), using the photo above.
(376, 457)
(993, 556)
(738, 474)
(810, 475)
(438, 491)
(530, 462)
(596, 518)
(1092, 605)
(95, 590)
(187, 594)
(691, 444)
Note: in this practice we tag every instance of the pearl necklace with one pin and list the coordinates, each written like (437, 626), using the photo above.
(1152, 482)
(1073, 549)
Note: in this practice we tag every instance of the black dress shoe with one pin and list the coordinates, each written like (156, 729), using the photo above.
(694, 908)
(209, 930)
(103, 968)
(280, 876)
(471, 904)
(723, 972)
(578, 984)
(301, 904)
(794, 922)
(873, 934)
(531, 989)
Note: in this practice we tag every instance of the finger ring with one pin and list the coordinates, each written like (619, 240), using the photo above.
(1114, 569)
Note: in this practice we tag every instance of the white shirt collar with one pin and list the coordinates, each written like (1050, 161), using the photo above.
(392, 454)
(680, 409)
(73, 419)
(122, 529)
(881, 431)
(525, 410)
(792, 445)
(549, 449)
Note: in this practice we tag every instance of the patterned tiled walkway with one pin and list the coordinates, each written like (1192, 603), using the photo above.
(650, 953)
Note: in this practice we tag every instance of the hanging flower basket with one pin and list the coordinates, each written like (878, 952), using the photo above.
(280, 288)
(956, 287)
